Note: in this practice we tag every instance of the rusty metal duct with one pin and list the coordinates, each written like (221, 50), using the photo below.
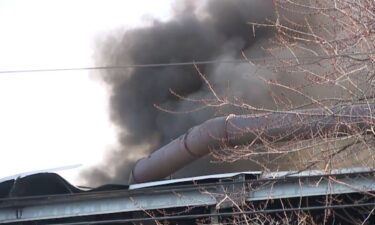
(240, 130)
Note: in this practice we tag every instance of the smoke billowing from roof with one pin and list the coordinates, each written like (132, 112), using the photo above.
(218, 30)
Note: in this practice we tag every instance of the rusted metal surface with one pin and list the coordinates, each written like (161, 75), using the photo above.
(240, 130)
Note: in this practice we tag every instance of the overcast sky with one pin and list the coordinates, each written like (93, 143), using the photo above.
(57, 119)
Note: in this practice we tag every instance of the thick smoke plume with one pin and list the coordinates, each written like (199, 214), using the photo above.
(216, 31)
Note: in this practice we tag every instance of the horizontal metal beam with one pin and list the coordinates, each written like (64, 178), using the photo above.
(312, 187)
(190, 196)
(105, 206)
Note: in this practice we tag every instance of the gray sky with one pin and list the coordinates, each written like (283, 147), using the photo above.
(56, 119)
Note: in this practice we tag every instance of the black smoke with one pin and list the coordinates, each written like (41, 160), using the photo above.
(219, 30)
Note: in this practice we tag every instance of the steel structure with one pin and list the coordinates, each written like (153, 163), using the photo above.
(210, 197)
(346, 195)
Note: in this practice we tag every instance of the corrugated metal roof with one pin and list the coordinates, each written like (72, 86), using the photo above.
(191, 179)
(259, 174)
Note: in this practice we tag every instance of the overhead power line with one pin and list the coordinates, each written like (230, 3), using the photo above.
(190, 63)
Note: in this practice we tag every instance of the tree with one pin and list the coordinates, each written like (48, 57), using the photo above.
(324, 55)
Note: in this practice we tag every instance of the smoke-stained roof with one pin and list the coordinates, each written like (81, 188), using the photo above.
(41, 184)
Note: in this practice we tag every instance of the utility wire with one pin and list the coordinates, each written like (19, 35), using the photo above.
(190, 63)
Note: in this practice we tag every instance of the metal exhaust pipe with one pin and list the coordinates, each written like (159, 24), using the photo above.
(244, 129)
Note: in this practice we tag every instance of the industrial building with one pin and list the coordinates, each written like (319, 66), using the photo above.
(234, 198)
(335, 196)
